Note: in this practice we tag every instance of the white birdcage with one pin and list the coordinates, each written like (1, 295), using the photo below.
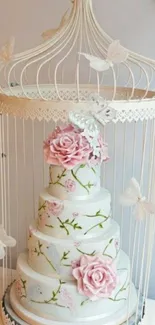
(78, 68)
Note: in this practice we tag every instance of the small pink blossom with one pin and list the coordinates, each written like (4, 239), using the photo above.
(96, 276)
(19, 287)
(66, 299)
(66, 147)
(55, 207)
(70, 185)
(75, 214)
(117, 244)
(77, 244)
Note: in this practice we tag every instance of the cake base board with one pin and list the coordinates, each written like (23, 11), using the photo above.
(20, 316)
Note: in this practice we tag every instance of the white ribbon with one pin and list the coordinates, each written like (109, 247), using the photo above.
(133, 197)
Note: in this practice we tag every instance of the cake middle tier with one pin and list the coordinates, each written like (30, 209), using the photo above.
(74, 219)
(54, 257)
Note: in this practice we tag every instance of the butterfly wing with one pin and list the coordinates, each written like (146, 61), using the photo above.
(117, 53)
(48, 34)
(139, 211)
(84, 122)
(6, 240)
(149, 207)
(7, 50)
(100, 65)
(2, 251)
(131, 194)
(96, 63)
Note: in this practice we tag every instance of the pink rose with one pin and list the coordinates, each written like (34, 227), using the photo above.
(70, 185)
(96, 276)
(67, 147)
(55, 207)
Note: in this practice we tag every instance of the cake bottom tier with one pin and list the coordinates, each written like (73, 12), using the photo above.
(20, 316)
(51, 298)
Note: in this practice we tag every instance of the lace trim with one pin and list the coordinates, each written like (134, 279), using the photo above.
(58, 110)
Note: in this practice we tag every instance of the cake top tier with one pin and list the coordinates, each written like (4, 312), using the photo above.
(79, 142)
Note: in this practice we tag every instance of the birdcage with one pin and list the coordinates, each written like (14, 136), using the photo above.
(78, 68)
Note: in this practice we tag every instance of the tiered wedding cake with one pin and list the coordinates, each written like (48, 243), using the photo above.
(74, 270)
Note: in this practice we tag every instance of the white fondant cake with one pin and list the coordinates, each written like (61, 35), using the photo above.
(74, 270)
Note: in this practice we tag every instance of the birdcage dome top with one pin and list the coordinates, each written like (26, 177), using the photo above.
(77, 66)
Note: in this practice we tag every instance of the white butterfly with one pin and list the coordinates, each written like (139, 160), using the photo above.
(6, 52)
(116, 54)
(133, 197)
(84, 122)
(5, 241)
(105, 113)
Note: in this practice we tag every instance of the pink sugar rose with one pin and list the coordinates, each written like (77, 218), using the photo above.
(96, 276)
(55, 207)
(67, 147)
(70, 185)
